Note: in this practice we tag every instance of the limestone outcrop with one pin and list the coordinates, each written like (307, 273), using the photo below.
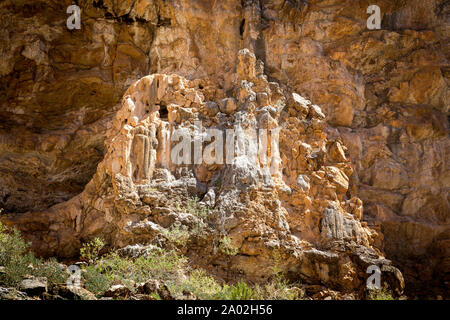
(277, 186)
(365, 175)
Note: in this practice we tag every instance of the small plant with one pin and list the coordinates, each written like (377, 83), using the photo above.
(52, 270)
(14, 256)
(177, 234)
(12, 246)
(94, 281)
(380, 294)
(112, 268)
(279, 289)
(276, 265)
(239, 291)
(90, 252)
(218, 183)
(201, 285)
(156, 264)
(19, 262)
(227, 247)
(196, 209)
(155, 296)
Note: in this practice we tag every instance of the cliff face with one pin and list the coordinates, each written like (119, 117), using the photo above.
(385, 140)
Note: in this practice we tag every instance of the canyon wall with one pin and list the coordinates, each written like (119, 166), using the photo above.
(384, 94)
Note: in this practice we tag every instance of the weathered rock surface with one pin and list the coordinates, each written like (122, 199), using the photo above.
(12, 294)
(118, 291)
(288, 199)
(384, 94)
(72, 293)
(154, 287)
(34, 286)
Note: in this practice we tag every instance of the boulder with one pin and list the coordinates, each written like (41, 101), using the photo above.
(12, 294)
(118, 291)
(155, 287)
(73, 293)
(34, 286)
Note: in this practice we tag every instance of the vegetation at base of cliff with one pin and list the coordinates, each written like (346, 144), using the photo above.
(205, 287)
(19, 263)
(100, 272)
(111, 268)
(166, 266)
(172, 269)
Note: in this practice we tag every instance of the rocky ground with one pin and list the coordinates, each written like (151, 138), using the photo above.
(360, 176)
(139, 272)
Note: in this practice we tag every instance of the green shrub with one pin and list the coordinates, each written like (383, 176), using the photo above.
(16, 270)
(20, 262)
(194, 207)
(11, 245)
(239, 291)
(205, 287)
(157, 264)
(155, 296)
(14, 256)
(200, 284)
(90, 252)
(227, 247)
(94, 281)
(279, 289)
(218, 183)
(52, 270)
(380, 294)
(276, 255)
(177, 234)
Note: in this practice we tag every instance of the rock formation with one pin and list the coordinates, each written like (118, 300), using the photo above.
(280, 185)
(76, 163)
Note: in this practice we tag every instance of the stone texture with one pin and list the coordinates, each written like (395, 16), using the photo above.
(290, 200)
(72, 293)
(118, 291)
(12, 294)
(384, 94)
(34, 286)
(154, 287)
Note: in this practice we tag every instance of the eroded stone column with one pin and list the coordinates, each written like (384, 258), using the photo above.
(143, 153)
